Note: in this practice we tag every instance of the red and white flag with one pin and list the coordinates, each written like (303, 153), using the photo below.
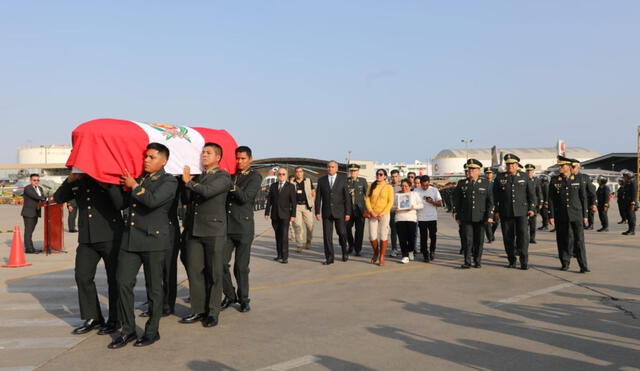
(104, 148)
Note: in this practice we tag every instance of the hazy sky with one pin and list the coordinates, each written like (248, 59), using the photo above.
(388, 80)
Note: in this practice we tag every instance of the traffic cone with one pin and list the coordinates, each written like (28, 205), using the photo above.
(16, 259)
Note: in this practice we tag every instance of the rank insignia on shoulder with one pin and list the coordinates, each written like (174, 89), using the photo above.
(573, 177)
(155, 177)
(479, 180)
(74, 188)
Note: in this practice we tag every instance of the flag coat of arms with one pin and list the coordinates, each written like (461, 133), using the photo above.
(104, 148)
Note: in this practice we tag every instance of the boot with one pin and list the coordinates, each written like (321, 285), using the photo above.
(383, 250)
(376, 252)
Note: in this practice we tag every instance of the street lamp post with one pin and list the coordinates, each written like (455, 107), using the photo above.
(466, 146)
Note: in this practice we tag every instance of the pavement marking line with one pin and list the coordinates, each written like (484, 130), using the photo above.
(290, 365)
(39, 343)
(530, 294)
(53, 322)
(18, 368)
(340, 276)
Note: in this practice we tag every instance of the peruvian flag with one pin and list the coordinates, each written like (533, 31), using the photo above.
(104, 148)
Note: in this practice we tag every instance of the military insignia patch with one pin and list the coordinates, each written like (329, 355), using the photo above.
(172, 131)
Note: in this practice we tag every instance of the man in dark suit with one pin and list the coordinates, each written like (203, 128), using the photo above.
(206, 235)
(145, 240)
(33, 195)
(334, 204)
(100, 230)
(281, 207)
(240, 229)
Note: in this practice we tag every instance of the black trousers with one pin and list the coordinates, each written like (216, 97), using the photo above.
(170, 272)
(590, 217)
(490, 230)
(88, 256)
(463, 238)
(406, 234)
(544, 213)
(473, 241)
(621, 209)
(129, 263)
(281, 229)
(327, 236)
(355, 241)
(603, 216)
(205, 269)
(241, 244)
(29, 226)
(394, 231)
(428, 230)
(71, 219)
(532, 221)
(631, 220)
(516, 238)
(570, 240)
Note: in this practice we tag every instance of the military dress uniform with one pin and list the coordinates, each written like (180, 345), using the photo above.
(590, 191)
(568, 208)
(100, 229)
(474, 206)
(206, 234)
(490, 228)
(145, 240)
(538, 201)
(602, 195)
(630, 203)
(240, 234)
(514, 196)
(544, 202)
(620, 200)
(357, 191)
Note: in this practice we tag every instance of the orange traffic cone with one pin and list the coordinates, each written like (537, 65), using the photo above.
(16, 259)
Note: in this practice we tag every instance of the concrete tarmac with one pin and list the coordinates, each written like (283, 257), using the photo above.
(353, 315)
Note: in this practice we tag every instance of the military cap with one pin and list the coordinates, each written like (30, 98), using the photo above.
(487, 170)
(354, 167)
(465, 166)
(601, 178)
(472, 163)
(519, 165)
(529, 167)
(544, 177)
(626, 172)
(564, 160)
(575, 162)
(510, 158)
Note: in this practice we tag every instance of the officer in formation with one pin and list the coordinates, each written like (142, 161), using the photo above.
(629, 201)
(145, 241)
(206, 232)
(101, 226)
(620, 199)
(568, 205)
(474, 209)
(240, 229)
(544, 202)
(515, 202)
(357, 188)
(602, 196)
(531, 169)
(490, 228)
(590, 189)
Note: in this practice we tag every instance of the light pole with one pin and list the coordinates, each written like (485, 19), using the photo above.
(466, 146)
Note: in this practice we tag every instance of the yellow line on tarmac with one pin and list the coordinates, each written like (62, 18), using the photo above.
(340, 277)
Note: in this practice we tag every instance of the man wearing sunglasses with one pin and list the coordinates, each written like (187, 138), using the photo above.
(281, 208)
(33, 195)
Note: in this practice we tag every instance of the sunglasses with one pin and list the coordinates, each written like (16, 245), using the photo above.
(282, 174)
(380, 174)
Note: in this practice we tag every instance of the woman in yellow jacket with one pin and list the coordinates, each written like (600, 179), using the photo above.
(378, 202)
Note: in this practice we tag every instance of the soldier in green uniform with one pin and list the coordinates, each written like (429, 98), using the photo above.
(602, 195)
(240, 229)
(474, 207)
(206, 235)
(568, 212)
(357, 188)
(531, 169)
(100, 226)
(145, 240)
(490, 228)
(515, 202)
(630, 201)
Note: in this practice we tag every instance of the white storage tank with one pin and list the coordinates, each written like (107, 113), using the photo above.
(46, 154)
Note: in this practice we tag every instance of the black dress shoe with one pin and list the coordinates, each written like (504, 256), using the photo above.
(31, 251)
(431, 255)
(564, 268)
(88, 325)
(622, 222)
(192, 318)
(210, 321)
(73, 231)
(553, 230)
(109, 328)
(511, 265)
(146, 313)
(524, 267)
(226, 303)
(122, 340)
(277, 259)
(477, 265)
(245, 307)
(358, 254)
(146, 340)
(465, 266)
(284, 261)
(345, 258)
(167, 312)
(327, 262)
(532, 241)
(584, 270)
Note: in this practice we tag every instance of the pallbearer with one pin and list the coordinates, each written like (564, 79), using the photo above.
(515, 202)
(568, 212)
(145, 241)
(474, 208)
